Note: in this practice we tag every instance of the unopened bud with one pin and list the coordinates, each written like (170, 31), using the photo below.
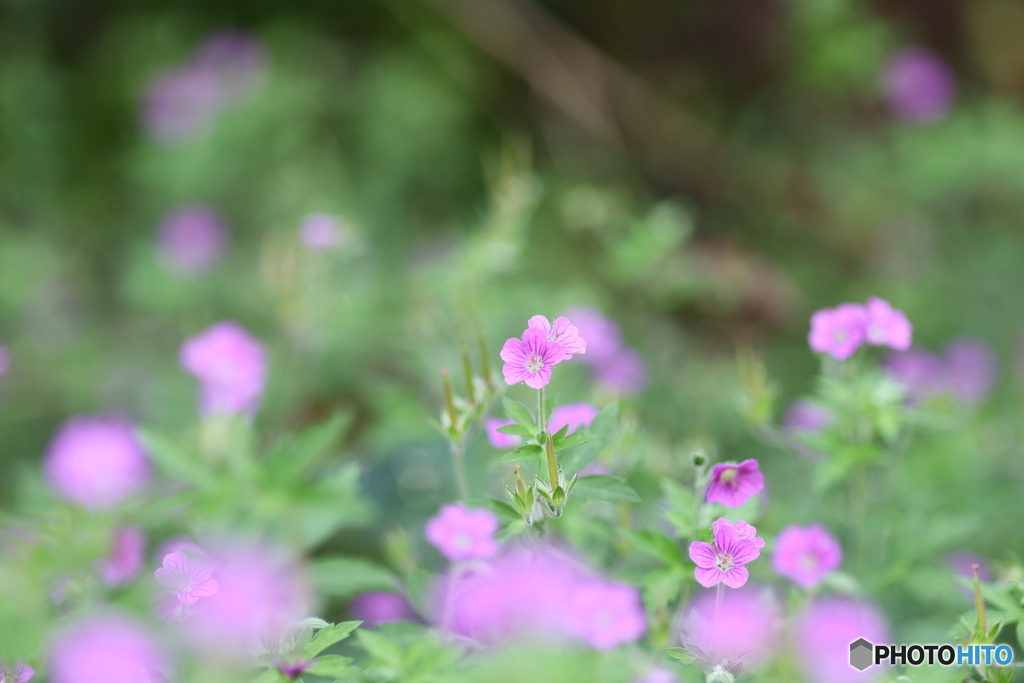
(699, 458)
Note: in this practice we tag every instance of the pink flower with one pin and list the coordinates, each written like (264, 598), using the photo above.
(824, 634)
(319, 232)
(126, 554)
(575, 415)
(236, 59)
(187, 579)
(918, 86)
(970, 370)
(887, 326)
(381, 607)
(21, 673)
(595, 467)
(498, 439)
(105, 649)
(922, 373)
(806, 417)
(743, 633)
(623, 374)
(732, 485)
(192, 239)
(530, 359)
(96, 461)
(604, 338)
(562, 332)
(657, 675)
(838, 331)
(806, 554)
(462, 534)
(231, 366)
(5, 360)
(606, 615)
(180, 104)
(734, 546)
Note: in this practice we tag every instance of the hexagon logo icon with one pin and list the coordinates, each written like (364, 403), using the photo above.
(861, 654)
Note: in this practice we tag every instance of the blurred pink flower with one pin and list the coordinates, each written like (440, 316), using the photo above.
(657, 675)
(824, 633)
(105, 649)
(887, 326)
(463, 534)
(838, 331)
(231, 366)
(970, 369)
(21, 673)
(497, 439)
(192, 239)
(561, 332)
(806, 554)
(735, 544)
(918, 86)
(261, 597)
(236, 59)
(624, 373)
(606, 615)
(180, 104)
(921, 372)
(733, 484)
(381, 607)
(320, 232)
(126, 555)
(96, 461)
(807, 418)
(575, 415)
(962, 563)
(5, 360)
(604, 338)
(189, 580)
(743, 633)
(595, 467)
(530, 359)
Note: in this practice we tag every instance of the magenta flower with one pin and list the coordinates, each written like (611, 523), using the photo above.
(823, 637)
(838, 331)
(180, 104)
(604, 338)
(918, 86)
(732, 485)
(530, 359)
(320, 232)
(105, 649)
(188, 580)
(381, 607)
(606, 615)
(805, 417)
(624, 373)
(96, 461)
(575, 415)
(236, 59)
(231, 366)
(498, 439)
(741, 633)
(21, 673)
(806, 554)
(125, 558)
(887, 326)
(192, 239)
(561, 332)
(970, 369)
(463, 534)
(722, 562)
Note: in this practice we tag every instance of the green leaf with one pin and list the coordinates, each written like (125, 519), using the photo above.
(270, 676)
(331, 666)
(329, 636)
(527, 453)
(830, 472)
(605, 422)
(657, 544)
(678, 654)
(176, 461)
(519, 413)
(291, 457)
(573, 440)
(344, 577)
(517, 430)
(506, 513)
(604, 487)
(381, 649)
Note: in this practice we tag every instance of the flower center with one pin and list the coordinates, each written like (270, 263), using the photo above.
(463, 541)
(729, 475)
(534, 363)
(840, 336)
(724, 562)
(808, 561)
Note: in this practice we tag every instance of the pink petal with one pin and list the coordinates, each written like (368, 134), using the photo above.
(513, 350)
(539, 322)
(708, 576)
(735, 577)
(539, 379)
(703, 554)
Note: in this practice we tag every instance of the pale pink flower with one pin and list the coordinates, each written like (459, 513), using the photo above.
(381, 607)
(5, 360)
(624, 373)
(838, 331)
(735, 544)
(188, 580)
(887, 326)
(806, 554)
(21, 673)
(530, 359)
(105, 649)
(320, 232)
(740, 633)
(192, 239)
(498, 439)
(657, 675)
(918, 86)
(971, 369)
(733, 484)
(561, 332)
(125, 557)
(236, 59)
(805, 417)
(824, 633)
(921, 372)
(604, 338)
(180, 103)
(606, 615)
(463, 534)
(96, 461)
(575, 415)
(231, 366)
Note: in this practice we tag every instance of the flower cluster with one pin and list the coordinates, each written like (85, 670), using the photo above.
(735, 545)
(543, 345)
(806, 554)
(231, 366)
(617, 367)
(840, 331)
(965, 370)
(463, 534)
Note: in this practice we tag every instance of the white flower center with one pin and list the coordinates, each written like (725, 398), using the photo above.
(724, 562)
(534, 363)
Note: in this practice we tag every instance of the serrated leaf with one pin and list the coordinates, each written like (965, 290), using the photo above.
(331, 666)
(519, 413)
(329, 636)
(527, 453)
(604, 487)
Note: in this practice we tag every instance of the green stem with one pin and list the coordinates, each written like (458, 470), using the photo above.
(459, 469)
(541, 419)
